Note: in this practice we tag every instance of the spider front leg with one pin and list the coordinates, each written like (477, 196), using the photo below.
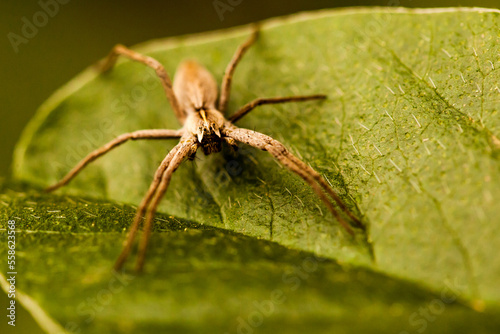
(121, 50)
(127, 247)
(141, 134)
(186, 149)
(266, 143)
(315, 175)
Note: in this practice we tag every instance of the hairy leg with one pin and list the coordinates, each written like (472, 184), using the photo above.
(228, 74)
(143, 206)
(294, 164)
(141, 134)
(282, 155)
(186, 149)
(326, 187)
(272, 100)
(121, 50)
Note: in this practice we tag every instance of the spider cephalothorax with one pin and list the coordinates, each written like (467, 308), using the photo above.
(193, 98)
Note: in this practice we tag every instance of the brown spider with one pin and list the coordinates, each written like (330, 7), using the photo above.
(193, 97)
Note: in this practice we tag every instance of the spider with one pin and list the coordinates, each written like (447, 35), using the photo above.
(193, 98)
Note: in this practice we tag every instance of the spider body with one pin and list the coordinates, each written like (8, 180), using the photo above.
(193, 98)
(196, 90)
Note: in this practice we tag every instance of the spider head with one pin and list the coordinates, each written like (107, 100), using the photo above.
(202, 112)
(205, 123)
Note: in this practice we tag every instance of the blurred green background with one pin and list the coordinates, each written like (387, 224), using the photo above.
(81, 32)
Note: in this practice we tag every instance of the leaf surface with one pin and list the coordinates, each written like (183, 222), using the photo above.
(408, 137)
(202, 279)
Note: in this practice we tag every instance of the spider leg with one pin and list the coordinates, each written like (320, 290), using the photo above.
(228, 74)
(320, 187)
(273, 100)
(186, 149)
(141, 134)
(326, 187)
(121, 50)
(142, 208)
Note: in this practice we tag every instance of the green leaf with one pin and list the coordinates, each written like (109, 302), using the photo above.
(202, 279)
(408, 137)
